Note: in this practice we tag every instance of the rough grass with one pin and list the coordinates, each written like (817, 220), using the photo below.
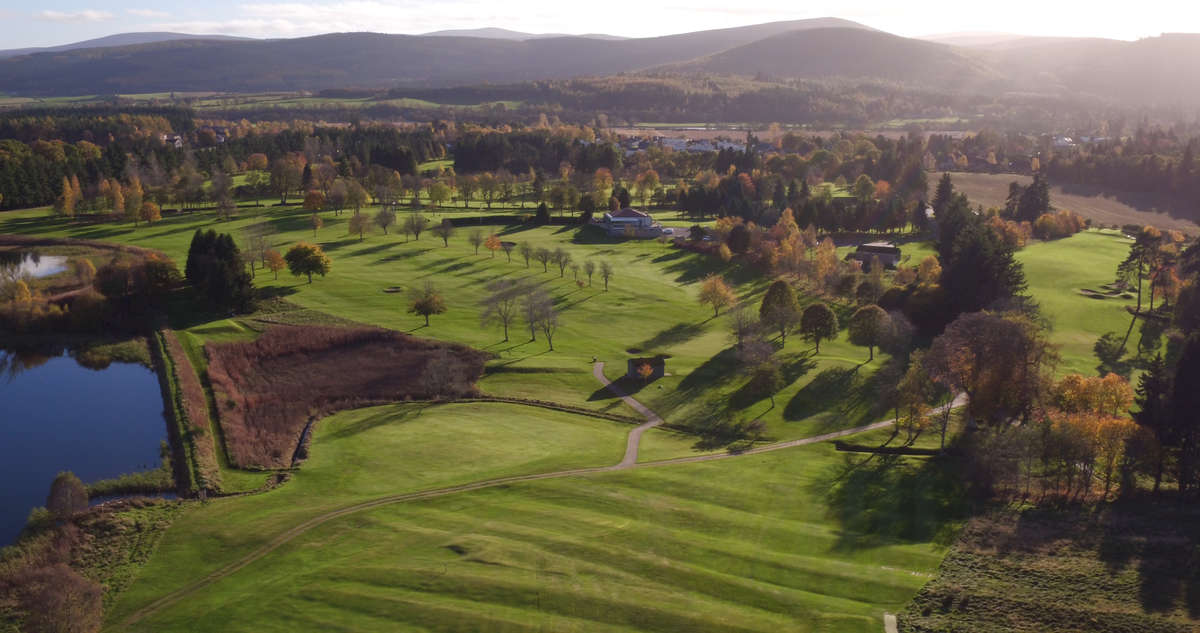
(268, 389)
(1117, 569)
(194, 407)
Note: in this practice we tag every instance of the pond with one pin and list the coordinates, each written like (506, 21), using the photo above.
(57, 415)
(32, 264)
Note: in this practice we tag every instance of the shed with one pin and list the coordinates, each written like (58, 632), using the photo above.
(658, 367)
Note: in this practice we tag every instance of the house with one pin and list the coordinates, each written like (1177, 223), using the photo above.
(630, 222)
(888, 254)
(658, 367)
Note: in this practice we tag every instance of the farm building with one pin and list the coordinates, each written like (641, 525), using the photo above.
(888, 254)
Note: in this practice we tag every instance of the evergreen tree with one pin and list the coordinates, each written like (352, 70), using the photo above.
(943, 195)
(1153, 414)
(1184, 420)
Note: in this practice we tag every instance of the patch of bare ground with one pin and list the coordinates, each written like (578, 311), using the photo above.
(267, 390)
(1123, 568)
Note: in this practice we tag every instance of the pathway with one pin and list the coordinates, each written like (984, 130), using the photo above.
(628, 462)
(635, 436)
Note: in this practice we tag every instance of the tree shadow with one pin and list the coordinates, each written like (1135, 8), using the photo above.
(674, 335)
(714, 371)
(374, 248)
(623, 385)
(390, 415)
(885, 499)
(826, 391)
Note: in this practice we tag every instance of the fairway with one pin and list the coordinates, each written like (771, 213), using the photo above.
(1057, 271)
(748, 544)
(367, 453)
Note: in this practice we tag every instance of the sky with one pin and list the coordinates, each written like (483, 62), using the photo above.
(59, 22)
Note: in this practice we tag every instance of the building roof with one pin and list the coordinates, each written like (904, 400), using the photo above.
(629, 212)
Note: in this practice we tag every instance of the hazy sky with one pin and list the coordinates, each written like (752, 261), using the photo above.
(58, 22)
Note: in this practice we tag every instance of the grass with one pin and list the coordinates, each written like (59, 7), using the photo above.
(753, 544)
(367, 453)
(1057, 271)
(651, 305)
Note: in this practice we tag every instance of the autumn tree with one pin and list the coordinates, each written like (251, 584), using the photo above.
(493, 244)
(1003, 363)
(426, 301)
(929, 271)
(444, 230)
(316, 222)
(645, 184)
(716, 293)
(779, 310)
(645, 371)
(275, 262)
(868, 325)
(150, 213)
(307, 259)
(818, 322)
(314, 201)
(359, 222)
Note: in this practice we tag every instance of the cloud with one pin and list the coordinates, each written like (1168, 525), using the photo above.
(87, 15)
(148, 13)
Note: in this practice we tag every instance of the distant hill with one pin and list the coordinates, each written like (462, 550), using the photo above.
(357, 60)
(850, 53)
(992, 40)
(506, 34)
(120, 39)
(1156, 71)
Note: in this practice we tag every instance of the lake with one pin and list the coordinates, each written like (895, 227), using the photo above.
(57, 415)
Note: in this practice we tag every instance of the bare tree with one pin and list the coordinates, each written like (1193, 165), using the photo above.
(445, 231)
(502, 302)
(606, 273)
(475, 238)
(742, 323)
(526, 252)
(589, 269)
(543, 257)
(535, 303)
(563, 259)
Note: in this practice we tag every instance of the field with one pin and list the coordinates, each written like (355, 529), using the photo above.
(798, 539)
(1094, 203)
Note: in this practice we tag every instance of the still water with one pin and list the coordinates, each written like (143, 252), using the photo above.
(57, 415)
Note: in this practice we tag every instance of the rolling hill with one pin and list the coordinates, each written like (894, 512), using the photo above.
(507, 34)
(344, 60)
(120, 39)
(850, 53)
(1152, 71)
